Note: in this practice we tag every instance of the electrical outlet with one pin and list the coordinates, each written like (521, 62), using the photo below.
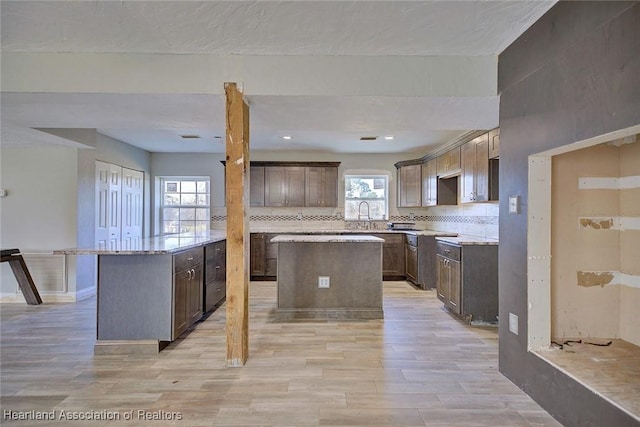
(323, 282)
(513, 323)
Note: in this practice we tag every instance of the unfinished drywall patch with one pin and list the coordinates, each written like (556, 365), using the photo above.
(588, 279)
(597, 223)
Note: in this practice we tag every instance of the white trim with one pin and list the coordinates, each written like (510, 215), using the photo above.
(539, 253)
(590, 142)
(49, 297)
(609, 183)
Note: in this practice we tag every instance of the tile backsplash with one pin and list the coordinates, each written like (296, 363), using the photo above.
(474, 219)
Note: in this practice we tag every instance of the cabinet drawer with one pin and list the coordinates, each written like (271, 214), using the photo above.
(411, 239)
(449, 251)
(186, 259)
(214, 269)
(213, 250)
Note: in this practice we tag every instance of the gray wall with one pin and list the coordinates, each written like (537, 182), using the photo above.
(573, 75)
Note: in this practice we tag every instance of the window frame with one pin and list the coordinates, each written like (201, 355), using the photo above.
(162, 206)
(386, 198)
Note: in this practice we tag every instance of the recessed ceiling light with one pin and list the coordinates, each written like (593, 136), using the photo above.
(389, 137)
(368, 138)
(287, 137)
(190, 136)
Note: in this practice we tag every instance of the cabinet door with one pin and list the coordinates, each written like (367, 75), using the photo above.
(442, 279)
(295, 185)
(313, 193)
(284, 186)
(274, 186)
(409, 182)
(411, 262)
(474, 184)
(180, 302)
(256, 186)
(393, 258)
(482, 169)
(271, 256)
(429, 183)
(449, 163)
(455, 286)
(455, 160)
(467, 179)
(257, 254)
(321, 187)
(494, 144)
(195, 294)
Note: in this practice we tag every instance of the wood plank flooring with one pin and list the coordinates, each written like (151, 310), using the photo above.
(417, 367)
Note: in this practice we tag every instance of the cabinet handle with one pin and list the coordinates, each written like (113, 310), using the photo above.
(447, 251)
(217, 267)
(190, 259)
(189, 274)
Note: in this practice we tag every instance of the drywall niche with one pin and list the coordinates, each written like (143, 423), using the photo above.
(620, 259)
(583, 270)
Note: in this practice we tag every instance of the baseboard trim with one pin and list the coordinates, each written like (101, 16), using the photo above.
(17, 298)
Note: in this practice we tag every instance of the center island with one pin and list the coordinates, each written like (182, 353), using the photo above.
(329, 277)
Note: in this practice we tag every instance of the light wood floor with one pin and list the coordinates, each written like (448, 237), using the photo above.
(417, 367)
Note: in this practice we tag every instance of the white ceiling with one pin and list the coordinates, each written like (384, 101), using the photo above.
(294, 28)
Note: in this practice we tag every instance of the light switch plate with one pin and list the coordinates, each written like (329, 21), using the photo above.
(514, 205)
(513, 323)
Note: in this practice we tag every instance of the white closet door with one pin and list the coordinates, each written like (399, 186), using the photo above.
(108, 205)
(132, 196)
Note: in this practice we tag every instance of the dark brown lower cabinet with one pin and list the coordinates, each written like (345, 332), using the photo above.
(215, 275)
(467, 280)
(187, 298)
(263, 256)
(393, 257)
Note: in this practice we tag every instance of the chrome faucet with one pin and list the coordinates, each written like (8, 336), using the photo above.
(368, 213)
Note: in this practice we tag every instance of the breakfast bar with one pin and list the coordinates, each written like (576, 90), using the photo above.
(151, 293)
(329, 277)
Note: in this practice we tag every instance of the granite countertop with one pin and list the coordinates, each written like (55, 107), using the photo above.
(165, 244)
(325, 238)
(348, 231)
(467, 240)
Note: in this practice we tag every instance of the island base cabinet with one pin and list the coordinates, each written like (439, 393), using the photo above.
(187, 281)
(148, 297)
(135, 297)
(215, 286)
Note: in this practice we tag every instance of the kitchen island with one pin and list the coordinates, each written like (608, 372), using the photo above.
(150, 294)
(329, 277)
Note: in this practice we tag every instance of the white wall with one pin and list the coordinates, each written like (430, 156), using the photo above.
(51, 202)
(39, 212)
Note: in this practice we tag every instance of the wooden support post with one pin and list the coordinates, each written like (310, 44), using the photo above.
(237, 196)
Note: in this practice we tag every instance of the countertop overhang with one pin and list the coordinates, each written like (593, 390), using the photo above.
(467, 240)
(325, 238)
(156, 245)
